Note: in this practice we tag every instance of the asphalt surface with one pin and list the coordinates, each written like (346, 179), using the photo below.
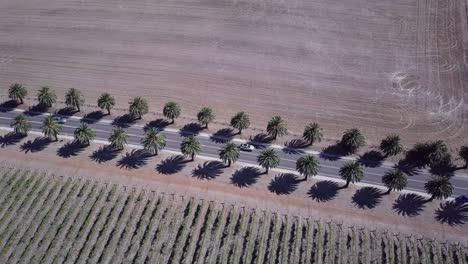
(329, 166)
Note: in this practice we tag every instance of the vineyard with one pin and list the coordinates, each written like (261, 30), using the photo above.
(49, 219)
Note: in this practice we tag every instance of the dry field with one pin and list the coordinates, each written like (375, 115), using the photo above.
(47, 219)
(384, 66)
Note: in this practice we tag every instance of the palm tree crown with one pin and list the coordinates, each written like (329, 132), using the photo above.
(51, 128)
(353, 139)
(153, 141)
(312, 133)
(391, 145)
(138, 107)
(17, 92)
(46, 96)
(190, 146)
(206, 116)
(439, 188)
(74, 98)
(268, 158)
(21, 125)
(395, 180)
(84, 134)
(277, 127)
(118, 139)
(307, 165)
(171, 110)
(351, 172)
(240, 121)
(229, 154)
(464, 154)
(106, 101)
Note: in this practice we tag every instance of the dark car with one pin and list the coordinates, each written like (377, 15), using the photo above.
(461, 199)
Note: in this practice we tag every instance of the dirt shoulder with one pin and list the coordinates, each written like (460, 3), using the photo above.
(169, 173)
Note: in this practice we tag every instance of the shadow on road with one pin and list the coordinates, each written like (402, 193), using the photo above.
(324, 191)
(9, 139)
(124, 121)
(158, 124)
(36, 110)
(245, 177)
(67, 111)
(371, 159)
(208, 170)
(260, 141)
(334, 152)
(409, 204)
(223, 135)
(8, 106)
(134, 159)
(70, 149)
(190, 129)
(39, 143)
(285, 183)
(172, 165)
(93, 117)
(452, 213)
(104, 154)
(367, 198)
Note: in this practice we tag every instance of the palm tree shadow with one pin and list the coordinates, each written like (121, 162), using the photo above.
(371, 159)
(446, 169)
(223, 135)
(284, 183)
(158, 124)
(209, 170)
(93, 117)
(409, 204)
(245, 177)
(124, 121)
(452, 213)
(190, 129)
(134, 159)
(172, 165)
(104, 154)
(39, 143)
(260, 141)
(67, 111)
(324, 191)
(70, 149)
(367, 197)
(36, 110)
(11, 138)
(334, 152)
(8, 106)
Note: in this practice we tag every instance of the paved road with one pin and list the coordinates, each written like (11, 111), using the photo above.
(329, 167)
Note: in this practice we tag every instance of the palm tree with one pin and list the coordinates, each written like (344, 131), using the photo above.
(154, 141)
(118, 138)
(84, 134)
(240, 121)
(206, 116)
(307, 166)
(353, 139)
(171, 110)
(439, 188)
(277, 127)
(106, 101)
(190, 146)
(351, 172)
(438, 153)
(74, 98)
(230, 153)
(391, 145)
(21, 125)
(464, 154)
(268, 158)
(51, 128)
(138, 107)
(395, 180)
(312, 133)
(46, 97)
(17, 92)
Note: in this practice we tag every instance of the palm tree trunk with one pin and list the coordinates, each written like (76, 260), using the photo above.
(267, 169)
(305, 177)
(173, 120)
(78, 107)
(229, 163)
(430, 199)
(21, 100)
(346, 185)
(240, 131)
(389, 191)
(108, 111)
(193, 157)
(56, 138)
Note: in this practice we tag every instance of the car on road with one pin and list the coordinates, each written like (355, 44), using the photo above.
(246, 147)
(462, 199)
(60, 119)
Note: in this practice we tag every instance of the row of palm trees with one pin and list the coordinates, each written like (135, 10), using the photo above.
(307, 166)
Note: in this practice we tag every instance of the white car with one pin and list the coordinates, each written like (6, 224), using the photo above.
(246, 147)
(60, 120)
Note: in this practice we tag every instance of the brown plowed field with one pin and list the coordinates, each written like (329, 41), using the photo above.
(384, 66)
